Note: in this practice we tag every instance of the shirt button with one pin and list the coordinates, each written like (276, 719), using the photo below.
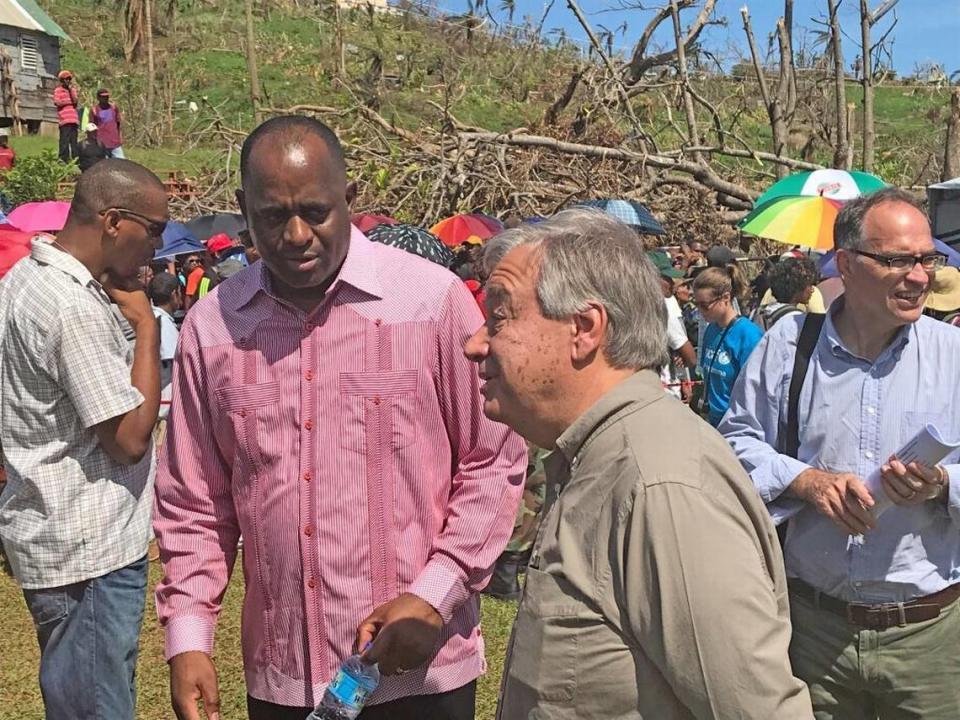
(378, 322)
(376, 400)
(871, 411)
(311, 583)
(308, 530)
(308, 375)
(243, 413)
(308, 425)
(308, 477)
(868, 455)
(308, 327)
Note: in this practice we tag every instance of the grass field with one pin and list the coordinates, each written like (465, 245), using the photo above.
(20, 694)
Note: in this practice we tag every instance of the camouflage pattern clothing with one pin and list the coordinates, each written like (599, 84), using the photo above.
(534, 494)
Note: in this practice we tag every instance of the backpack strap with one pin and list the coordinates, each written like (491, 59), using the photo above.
(809, 334)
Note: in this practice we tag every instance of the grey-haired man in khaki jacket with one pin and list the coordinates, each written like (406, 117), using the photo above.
(656, 587)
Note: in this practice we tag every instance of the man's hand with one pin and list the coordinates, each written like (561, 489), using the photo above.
(193, 677)
(841, 497)
(132, 302)
(912, 484)
(404, 632)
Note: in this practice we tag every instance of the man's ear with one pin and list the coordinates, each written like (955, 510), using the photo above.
(351, 194)
(242, 203)
(843, 262)
(590, 328)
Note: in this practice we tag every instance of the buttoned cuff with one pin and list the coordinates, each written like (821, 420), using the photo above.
(953, 491)
(442, 587)
(782, 471)
(189, 633)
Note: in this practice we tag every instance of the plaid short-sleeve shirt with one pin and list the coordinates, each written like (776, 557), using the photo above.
(69, 512)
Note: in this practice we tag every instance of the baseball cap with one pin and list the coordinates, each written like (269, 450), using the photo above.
(90, 127)
(64, 74)
(662, 262)
(217, 243)
(103, 92)
(720, 256)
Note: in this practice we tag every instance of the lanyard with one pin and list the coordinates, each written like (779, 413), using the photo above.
(706, 380)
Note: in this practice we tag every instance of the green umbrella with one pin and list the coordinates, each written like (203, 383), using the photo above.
(829, 183)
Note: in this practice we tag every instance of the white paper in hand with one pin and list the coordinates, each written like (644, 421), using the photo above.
(927, 447)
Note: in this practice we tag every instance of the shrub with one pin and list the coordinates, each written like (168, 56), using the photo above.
(36, 177)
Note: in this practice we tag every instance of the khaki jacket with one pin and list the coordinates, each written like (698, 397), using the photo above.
(656, 587)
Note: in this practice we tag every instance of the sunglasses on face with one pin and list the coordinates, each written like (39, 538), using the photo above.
(153, 227)
(706, 305)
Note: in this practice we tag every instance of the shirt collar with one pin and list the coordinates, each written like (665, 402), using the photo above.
(45, 252)
(838, 347)
(359, 270)
(638, 390)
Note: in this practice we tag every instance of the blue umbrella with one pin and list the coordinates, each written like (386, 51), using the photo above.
(178, 240)
(828, 263)
(629, 212)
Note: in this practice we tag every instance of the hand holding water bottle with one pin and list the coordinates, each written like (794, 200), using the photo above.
(404, 633)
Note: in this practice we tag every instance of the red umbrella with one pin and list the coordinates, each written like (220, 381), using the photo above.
(368, 221)
(457, 229)
(14, 245)
(46, 216)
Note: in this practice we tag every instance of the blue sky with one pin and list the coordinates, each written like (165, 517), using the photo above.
(926, 30)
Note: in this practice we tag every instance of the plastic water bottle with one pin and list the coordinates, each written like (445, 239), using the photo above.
(349, 691)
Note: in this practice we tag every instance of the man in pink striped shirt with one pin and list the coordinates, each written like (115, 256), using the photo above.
(322, 406)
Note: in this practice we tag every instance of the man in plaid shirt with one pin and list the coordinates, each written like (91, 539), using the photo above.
(77, 409)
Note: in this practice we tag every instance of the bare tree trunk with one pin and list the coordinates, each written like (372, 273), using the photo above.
(867, 82)
(693, 134)
(840, 91)
(256, 97)
(951, 153)
(778, 127)
(151, 69)
(786, 38)
(338, 31)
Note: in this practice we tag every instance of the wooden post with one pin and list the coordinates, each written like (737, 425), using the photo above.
(951, 152)
(256, 97)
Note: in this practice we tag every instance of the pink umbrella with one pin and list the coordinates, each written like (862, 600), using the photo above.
(46, 216)
(14, 245)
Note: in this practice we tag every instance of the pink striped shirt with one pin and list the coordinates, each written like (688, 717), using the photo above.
(350, 449)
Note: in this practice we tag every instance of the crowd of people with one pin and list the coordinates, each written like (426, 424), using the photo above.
(385, 435)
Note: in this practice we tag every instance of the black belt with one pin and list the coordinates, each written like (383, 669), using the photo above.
(882, 615)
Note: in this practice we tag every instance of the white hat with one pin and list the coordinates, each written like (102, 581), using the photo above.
(90, 127)
(4, 132)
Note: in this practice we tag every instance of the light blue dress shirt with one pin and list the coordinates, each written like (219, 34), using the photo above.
(853, 414)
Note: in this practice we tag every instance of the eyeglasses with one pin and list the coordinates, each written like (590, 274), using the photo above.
(154, 227)
(906, 263)
(709, 304)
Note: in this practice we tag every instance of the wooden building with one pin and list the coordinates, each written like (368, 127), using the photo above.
(29, 63)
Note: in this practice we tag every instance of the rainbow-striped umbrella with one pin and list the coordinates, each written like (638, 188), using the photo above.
(830, 183)
(458, 229)
(805, 221)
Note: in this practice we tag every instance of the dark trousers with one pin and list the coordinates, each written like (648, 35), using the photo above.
(454, 705)
(69, 147)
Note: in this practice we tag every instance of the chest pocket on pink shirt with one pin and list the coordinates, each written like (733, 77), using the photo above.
(250, 409)
(383, 403)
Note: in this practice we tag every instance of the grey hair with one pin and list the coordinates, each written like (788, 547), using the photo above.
(848, 227)
(586, 255)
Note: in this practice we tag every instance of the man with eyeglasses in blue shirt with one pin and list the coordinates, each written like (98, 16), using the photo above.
(876, 621)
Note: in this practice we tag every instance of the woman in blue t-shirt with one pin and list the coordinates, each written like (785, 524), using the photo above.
(729, 338)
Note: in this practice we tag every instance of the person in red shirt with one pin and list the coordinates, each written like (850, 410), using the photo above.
(8, 158)
(67, 99)
(106, 116)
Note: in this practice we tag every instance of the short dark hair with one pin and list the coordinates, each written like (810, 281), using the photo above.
(791, 276)
(162, 288)
(848, 227)
(111, 183)
(291, 127)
